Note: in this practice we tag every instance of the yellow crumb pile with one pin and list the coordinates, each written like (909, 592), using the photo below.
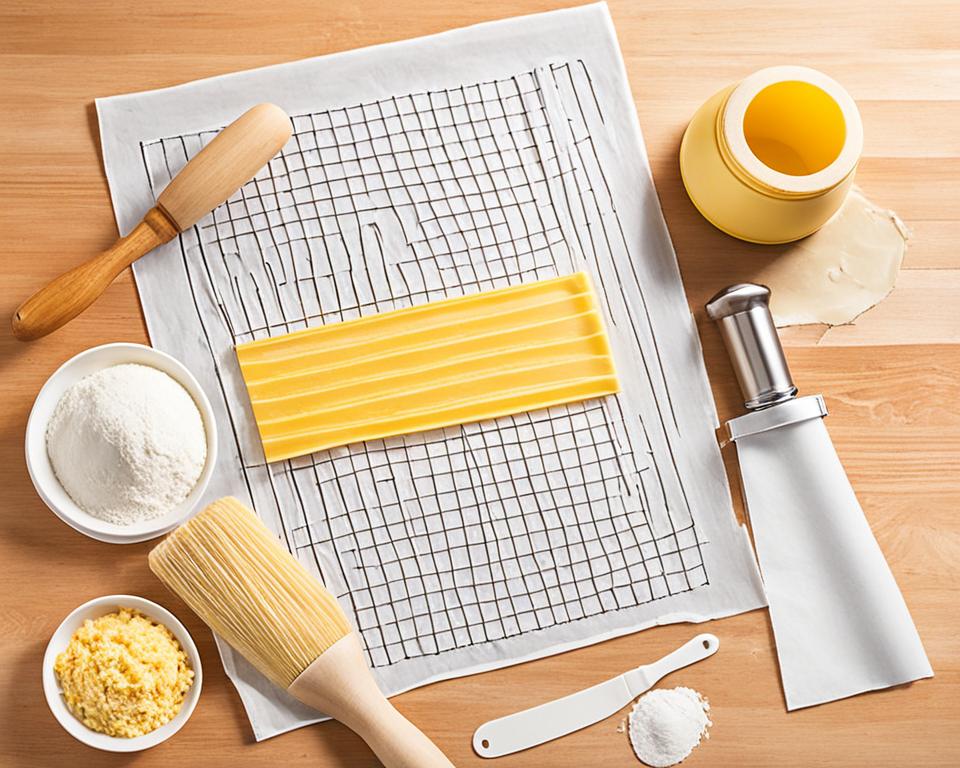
(123, 674)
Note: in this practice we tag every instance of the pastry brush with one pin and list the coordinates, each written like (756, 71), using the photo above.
(228, 162)
(236, 577)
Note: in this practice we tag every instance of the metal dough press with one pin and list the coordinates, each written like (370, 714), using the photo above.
(840, 622)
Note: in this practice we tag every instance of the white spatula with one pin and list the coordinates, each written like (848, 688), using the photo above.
(554, 719)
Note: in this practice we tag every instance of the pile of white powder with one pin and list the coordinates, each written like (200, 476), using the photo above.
(666, 725)
(127, 443)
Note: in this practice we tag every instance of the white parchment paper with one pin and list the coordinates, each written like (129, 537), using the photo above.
(466, 161)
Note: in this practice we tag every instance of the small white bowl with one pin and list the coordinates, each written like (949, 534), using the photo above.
(94, 609)
(38, 461)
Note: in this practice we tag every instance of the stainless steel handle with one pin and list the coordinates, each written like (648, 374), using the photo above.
(742, 312)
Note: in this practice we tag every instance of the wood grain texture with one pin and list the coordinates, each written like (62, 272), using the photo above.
(892, 381)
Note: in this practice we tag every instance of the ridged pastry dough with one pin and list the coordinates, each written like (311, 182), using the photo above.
(447, 362)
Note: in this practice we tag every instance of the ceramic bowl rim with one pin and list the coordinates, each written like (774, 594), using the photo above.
(100, 606)
(38, 463)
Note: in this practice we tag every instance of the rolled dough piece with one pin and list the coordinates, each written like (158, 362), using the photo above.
(840, 271)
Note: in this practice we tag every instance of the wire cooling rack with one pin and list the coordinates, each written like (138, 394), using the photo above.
(471, 534)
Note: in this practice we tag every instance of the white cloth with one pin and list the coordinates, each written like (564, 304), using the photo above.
(841, 624)
(465, 161)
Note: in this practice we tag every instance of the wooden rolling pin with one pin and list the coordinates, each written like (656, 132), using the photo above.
(230, 160)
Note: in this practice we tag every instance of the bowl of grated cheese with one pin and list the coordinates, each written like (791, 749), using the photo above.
(121, 674)
(139, 437)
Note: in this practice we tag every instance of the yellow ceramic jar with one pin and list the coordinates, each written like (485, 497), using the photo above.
(772, 157)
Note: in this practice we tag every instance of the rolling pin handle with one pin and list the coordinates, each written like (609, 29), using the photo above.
(61, 300)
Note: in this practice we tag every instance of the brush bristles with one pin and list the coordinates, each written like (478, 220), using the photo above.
(236, 577)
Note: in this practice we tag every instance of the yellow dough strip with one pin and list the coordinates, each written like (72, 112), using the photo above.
(447, 362)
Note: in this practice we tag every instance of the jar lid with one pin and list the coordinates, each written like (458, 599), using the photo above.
(744, 149)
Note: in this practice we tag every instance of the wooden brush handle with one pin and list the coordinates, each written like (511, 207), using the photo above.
(339, 684)
(61, 300)
(228, 162)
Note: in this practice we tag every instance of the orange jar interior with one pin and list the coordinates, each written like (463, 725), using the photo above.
(794, 128)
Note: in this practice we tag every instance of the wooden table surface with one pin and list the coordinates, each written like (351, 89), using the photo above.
(892, 380)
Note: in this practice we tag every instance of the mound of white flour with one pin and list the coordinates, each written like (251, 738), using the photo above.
(666, 725)
(127, 443)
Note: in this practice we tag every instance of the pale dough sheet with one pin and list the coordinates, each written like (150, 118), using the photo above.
(840, 271)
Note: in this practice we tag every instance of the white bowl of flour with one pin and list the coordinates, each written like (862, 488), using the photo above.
(121, 443)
